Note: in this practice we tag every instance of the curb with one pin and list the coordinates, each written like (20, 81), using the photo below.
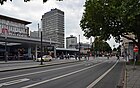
(122, 81)
(39, 66)
(12, 62)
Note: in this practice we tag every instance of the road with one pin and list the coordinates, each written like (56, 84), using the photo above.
(99, 73)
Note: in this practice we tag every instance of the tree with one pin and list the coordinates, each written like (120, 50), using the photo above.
(101, 46)
(114, 49)
(117, 18)
(2, 1)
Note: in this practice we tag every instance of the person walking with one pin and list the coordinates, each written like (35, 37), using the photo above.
(118, 57)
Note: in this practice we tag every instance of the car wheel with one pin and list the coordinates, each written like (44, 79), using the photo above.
(50, 60)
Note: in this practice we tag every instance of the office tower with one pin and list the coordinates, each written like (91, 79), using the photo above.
(53, 26)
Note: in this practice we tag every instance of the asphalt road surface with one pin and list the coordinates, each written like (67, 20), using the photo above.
(99, 73)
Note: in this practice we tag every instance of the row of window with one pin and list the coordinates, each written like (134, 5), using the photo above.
(13, 28)
(17, 34)
(11, 23)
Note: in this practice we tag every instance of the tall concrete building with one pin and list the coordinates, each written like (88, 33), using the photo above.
(71, 41)
(53, 26)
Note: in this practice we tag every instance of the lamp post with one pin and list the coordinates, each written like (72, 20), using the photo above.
(88, 52)
(79, 47)
(5, 31)
(41, 47)
(6, 58)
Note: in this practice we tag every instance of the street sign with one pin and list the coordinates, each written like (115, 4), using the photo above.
(136, 49)
(50, 48)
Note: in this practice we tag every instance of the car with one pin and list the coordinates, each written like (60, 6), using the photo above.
(45, 58)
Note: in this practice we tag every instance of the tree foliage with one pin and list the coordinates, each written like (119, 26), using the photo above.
(102, 46)
(118, 18)
(2, 1)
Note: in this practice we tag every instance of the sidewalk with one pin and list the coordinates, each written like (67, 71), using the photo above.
(27, 64)
(132, 76)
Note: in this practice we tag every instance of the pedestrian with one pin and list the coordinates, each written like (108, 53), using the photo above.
(107, 56)
(68, 55)
(85, 57)
(75, 57)
(118, 57)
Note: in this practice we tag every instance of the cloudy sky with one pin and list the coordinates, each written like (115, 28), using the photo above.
(32, 11)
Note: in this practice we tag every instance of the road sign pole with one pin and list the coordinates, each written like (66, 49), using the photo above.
(135, 54)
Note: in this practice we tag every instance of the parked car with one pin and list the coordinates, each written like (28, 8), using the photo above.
(45, 58)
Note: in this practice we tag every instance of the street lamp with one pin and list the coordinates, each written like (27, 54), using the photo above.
(88, 51)
(79, 47)
(5, 31)
(41, 47)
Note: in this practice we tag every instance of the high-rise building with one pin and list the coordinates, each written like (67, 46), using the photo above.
(53, 26)
(71, 41)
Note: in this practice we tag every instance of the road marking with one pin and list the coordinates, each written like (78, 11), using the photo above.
(58, 77)
(101, 77)
(37, 72)
(13, 82)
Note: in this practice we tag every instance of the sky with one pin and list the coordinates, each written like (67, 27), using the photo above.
(32, 11)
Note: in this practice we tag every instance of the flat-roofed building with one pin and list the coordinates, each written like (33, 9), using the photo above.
(14, 26)
(71, 41)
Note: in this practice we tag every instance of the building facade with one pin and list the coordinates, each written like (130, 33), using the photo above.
(13, 26)
(53, 26)
(71, 41)
(34, 34)
(84, 47)
(127, 47)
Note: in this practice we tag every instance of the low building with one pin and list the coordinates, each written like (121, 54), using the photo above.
(71, 42)
(34, 34)
(13, 26)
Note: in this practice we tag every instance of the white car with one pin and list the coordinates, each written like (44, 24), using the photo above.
(45, 58)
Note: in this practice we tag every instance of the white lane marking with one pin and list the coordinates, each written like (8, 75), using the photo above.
(13, 82)
(101, 77)
(58, 77)
(37, 72)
